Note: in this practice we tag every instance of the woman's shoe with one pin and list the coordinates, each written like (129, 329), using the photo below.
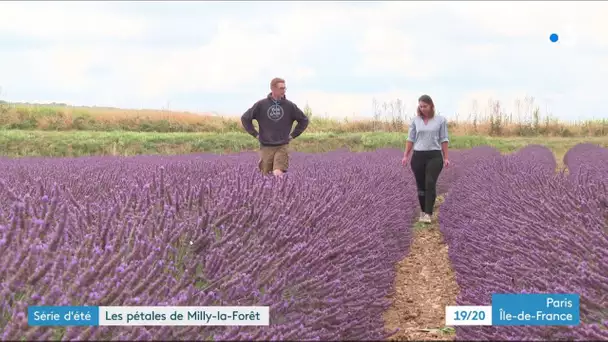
(422, 216)
(426, 218)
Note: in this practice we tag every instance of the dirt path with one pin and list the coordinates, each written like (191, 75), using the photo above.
(424, 285)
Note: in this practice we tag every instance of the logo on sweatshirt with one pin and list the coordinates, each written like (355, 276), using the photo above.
(275, 112)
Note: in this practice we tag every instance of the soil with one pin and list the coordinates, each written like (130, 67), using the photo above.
(425, 284)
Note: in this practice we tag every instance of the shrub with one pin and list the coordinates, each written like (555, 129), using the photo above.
(318, 246)
(512, 227)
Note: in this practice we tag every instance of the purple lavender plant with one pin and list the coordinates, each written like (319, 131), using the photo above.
(512, 228)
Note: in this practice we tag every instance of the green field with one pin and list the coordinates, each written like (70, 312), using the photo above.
(59, 130)
(19, 143)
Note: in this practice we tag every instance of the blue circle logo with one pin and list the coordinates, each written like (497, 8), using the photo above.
(554, 37)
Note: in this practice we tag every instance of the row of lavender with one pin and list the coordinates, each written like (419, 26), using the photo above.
(117, 231)
(515, 226)
(318, 246)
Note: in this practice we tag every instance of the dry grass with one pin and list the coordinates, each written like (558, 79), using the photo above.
(527, 121)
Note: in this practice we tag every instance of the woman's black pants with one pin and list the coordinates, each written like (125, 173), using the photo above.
(427, 166)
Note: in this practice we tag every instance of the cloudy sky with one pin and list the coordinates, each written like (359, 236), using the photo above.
(335, 56)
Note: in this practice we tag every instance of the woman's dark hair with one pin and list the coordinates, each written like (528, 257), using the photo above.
(426, 99)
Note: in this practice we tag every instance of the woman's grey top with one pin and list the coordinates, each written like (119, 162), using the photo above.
(429, 136)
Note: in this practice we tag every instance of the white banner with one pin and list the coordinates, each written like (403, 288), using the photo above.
(184, 315)
(468, 315)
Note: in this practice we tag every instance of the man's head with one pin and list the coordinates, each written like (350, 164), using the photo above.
(426, 107)
(277, 87)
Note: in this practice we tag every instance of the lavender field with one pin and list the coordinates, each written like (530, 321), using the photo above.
(318, 246)
(516, 226)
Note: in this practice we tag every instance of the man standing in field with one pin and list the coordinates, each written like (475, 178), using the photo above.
(275, 116)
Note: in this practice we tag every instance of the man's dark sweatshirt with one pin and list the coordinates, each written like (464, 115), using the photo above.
(275, 119)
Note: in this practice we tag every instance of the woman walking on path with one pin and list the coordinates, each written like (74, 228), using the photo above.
(428, 139)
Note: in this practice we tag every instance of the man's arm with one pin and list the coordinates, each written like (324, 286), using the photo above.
(247, 120)
(302, 120)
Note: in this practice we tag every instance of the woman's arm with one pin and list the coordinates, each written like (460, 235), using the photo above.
(444, 139)
(411, 137)
(408, 148)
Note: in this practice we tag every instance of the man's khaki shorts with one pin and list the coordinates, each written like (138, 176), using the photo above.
(273, 158)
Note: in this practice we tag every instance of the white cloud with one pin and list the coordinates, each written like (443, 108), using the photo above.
(386, 51)
(237, 57)
(460, 50)
(341, 105)
(61, 20)
(538, 19)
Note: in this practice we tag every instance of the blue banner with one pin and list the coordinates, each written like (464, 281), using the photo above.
(63, 315)
(58, 316)
(535, 309)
